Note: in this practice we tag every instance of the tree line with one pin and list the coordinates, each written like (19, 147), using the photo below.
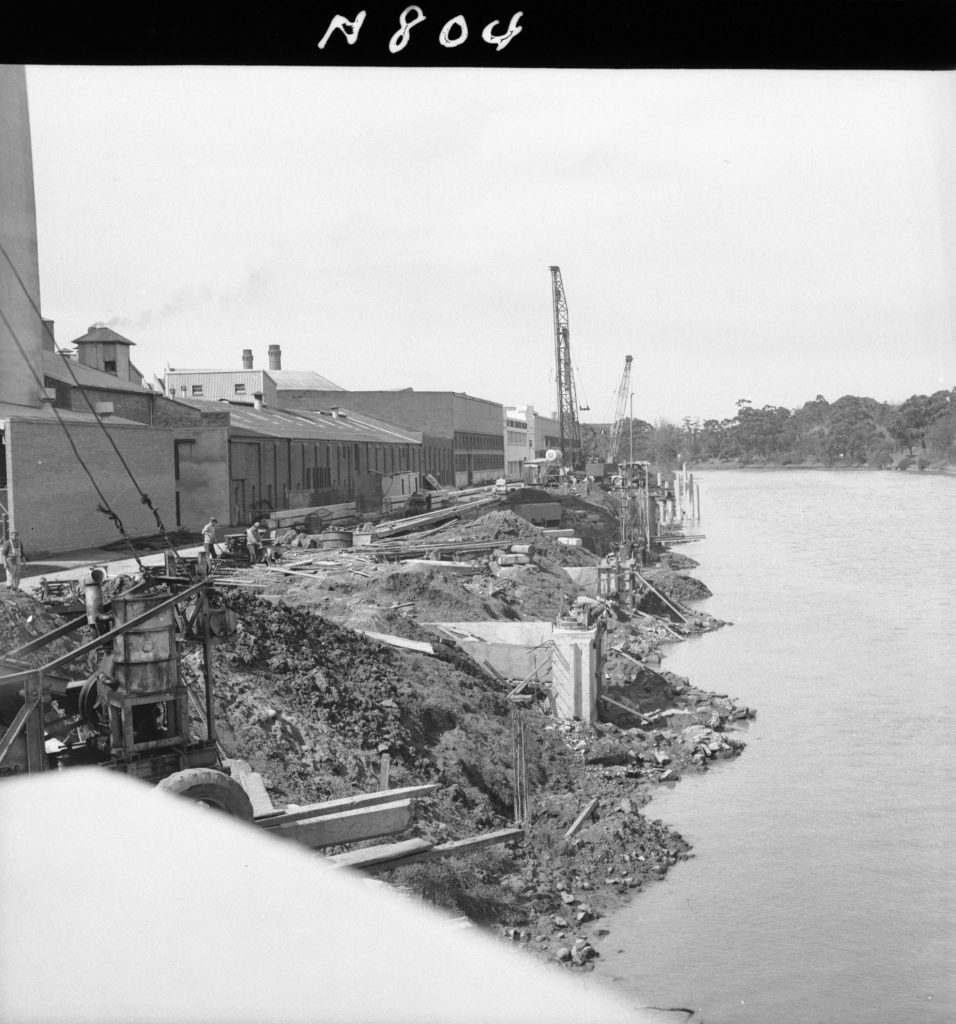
(851, 431)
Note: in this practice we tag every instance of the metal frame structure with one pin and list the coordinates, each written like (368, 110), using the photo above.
(187, 612)
(569, 427)
(620, 404)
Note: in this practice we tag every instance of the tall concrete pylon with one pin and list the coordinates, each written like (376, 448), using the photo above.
(18, 233)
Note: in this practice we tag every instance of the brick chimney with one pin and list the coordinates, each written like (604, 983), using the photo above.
(247, 358)
(275, 357)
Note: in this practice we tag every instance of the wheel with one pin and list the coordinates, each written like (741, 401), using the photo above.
(210, 788)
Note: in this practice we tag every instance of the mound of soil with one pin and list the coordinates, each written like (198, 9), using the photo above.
(676, 586)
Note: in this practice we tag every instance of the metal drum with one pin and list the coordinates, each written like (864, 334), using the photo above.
(145, 659)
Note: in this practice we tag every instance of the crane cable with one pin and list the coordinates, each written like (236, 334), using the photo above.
(144, 497)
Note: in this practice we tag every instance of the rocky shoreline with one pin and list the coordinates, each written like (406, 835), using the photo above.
(573, 883)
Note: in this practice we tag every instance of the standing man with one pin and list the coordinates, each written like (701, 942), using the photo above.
(253, 544)
(13, 557)
(209, 537)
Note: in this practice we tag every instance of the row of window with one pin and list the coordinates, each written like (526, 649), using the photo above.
(491, 461)
(517, 424)
(478, 442)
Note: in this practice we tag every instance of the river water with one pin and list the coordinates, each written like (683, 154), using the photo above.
(823, 883)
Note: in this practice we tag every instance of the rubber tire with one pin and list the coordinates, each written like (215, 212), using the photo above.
(215, 789)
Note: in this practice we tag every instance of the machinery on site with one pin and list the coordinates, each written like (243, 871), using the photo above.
(134, 712)
(546, 472)
(569, 427)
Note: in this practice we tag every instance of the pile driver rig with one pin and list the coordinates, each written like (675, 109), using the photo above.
(569, 428)
(620, 405)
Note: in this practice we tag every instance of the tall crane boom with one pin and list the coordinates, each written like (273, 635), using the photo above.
(620, 404)
(569, 428)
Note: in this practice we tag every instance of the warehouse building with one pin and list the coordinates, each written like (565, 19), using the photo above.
(239, 463)
(462, 438)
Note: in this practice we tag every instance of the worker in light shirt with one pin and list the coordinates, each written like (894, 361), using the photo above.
(209, 537)
(14, 556)
(254, 543)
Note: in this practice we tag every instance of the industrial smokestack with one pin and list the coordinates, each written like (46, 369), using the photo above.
(21, 333)
(247, 358)
(275, 357)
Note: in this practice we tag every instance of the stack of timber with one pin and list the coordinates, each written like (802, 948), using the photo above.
(357, 818)
(445, 505)
(412, 523)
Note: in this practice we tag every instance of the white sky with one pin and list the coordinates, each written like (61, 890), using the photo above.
(765, 235)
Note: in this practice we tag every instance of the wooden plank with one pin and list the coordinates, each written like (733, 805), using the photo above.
(399, 641)
(377, 854)
(623, 707)
(256, 790)
(581, 818)
(351, 826)
(349, 803)
(457, 848)
(624, 654)
(654, 590)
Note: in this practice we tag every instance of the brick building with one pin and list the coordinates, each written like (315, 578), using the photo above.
(44, 491)
(462, 438)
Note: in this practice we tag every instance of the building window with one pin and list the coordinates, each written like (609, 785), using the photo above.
(197, 390)
(109, 366)
(240, 389)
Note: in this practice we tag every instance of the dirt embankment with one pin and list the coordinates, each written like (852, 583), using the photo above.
(313, 706)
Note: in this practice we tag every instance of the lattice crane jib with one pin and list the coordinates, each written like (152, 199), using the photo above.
(620, 407)
(569, 427)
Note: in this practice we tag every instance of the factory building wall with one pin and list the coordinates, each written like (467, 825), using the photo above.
(274, 473)
(479, 441)
(213, 385)
(126, 405)
(51, 500)
(429, 412)
(467, 429)
(201, 469)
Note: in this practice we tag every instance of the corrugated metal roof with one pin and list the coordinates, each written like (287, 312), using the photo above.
(87, 376)
(305, 426)
(302, 380)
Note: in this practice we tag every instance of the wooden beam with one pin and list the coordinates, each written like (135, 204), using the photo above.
(350, 803)
(457, 848)
(377, 854)
(418, 646)
(351, 826)
(581, 818)
(624, 654)
(654, 590)
(623, 707)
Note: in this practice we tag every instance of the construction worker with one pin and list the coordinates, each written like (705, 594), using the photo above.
(209, 537)
(13, 557)
(254, 543)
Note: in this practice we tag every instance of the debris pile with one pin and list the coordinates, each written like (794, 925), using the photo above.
(315, 706)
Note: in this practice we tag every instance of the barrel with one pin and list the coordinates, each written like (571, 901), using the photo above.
(315, 522)
(145, 658)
